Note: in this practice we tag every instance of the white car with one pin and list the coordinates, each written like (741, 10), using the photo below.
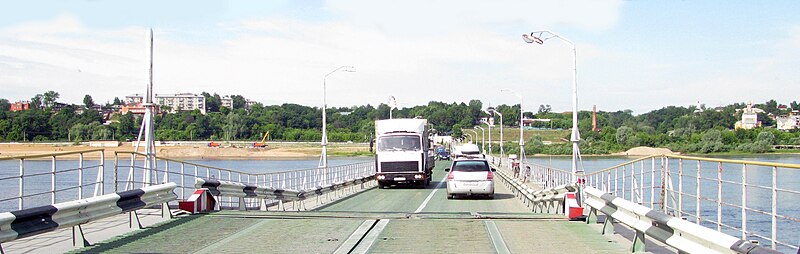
(471, 176)
(467, 151)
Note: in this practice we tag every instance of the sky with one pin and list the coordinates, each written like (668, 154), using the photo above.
(637, 55)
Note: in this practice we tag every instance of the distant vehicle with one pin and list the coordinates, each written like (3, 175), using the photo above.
(263, 142)
(403, 152)
(471, 176)
(214, 144)
(467, 151)
(443, 155)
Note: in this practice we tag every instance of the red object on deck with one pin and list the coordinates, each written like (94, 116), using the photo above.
(574, 211)
(200, 201)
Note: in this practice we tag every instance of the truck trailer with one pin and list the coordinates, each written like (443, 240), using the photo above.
(404, 152)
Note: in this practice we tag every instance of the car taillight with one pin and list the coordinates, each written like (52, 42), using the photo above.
(450, 176)
(489, 176)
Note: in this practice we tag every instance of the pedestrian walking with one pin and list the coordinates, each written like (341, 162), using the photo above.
(526, 175)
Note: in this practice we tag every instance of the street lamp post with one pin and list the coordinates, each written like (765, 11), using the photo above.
(490, 129)
(392, 106)
(483, 138)
(540, 37)
(475, 139)
(323, 158)
(502, 153)
(521, 136)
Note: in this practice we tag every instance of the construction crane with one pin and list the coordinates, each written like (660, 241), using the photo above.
(263, 142)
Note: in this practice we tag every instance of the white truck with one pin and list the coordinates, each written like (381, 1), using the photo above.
(404, 152)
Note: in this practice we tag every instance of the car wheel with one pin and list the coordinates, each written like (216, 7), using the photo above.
(450, 196)
(490, 196)
(381, 185)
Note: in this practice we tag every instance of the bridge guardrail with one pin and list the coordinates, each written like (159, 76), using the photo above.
(683, 235)
(43, 219)
(132, 173)
(547, 200)
(753, 200)
(241, 191)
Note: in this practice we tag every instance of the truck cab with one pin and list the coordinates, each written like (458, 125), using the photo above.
(403, 152)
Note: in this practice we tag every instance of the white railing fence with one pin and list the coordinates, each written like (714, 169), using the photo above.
(47, 179)
(132, 175)
(754, 201)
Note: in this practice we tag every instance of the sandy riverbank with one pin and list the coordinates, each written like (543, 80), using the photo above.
(273, 151)
(645, 151)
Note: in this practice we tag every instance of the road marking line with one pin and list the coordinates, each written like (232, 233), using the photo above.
(354, 238)
(497, 238)
(369, 239)
(428, 199)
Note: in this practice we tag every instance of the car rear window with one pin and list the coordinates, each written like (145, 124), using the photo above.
(470, 166)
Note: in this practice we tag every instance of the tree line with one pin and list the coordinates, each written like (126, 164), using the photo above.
(685, 129)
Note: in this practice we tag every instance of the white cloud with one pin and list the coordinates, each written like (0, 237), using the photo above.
(434, 17)
(278, 60)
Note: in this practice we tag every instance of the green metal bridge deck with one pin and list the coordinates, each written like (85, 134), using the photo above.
(394, 220)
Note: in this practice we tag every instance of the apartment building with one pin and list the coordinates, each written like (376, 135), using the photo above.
(173, 102)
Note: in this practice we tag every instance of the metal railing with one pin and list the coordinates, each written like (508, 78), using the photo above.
(131, 172)
(46, 179)
(544, 177)
(756, 201)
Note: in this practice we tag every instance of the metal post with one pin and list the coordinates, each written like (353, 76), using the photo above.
(624, 171)
(680, 188)
(101, 175)
(116, 173)
(697, 195)
(80, 175)
(575, 135)
(641, 183)
(616, 179)
(744, 202)
(502, 152)
(652, 182)
(774, 213)
(324, 156)
(490, 137)
(166, 171)
(719, 196)
(53, 180)
(183, 176)
(21, 183)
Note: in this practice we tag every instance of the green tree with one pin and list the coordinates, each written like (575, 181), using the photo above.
(624, 136)
(36, 102)
(238, 101)
(49, 98)
(87, 101)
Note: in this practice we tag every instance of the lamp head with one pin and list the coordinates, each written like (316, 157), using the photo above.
(530, 38)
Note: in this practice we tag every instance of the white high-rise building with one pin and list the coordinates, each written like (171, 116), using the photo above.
(182, 102)
(226, 101)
